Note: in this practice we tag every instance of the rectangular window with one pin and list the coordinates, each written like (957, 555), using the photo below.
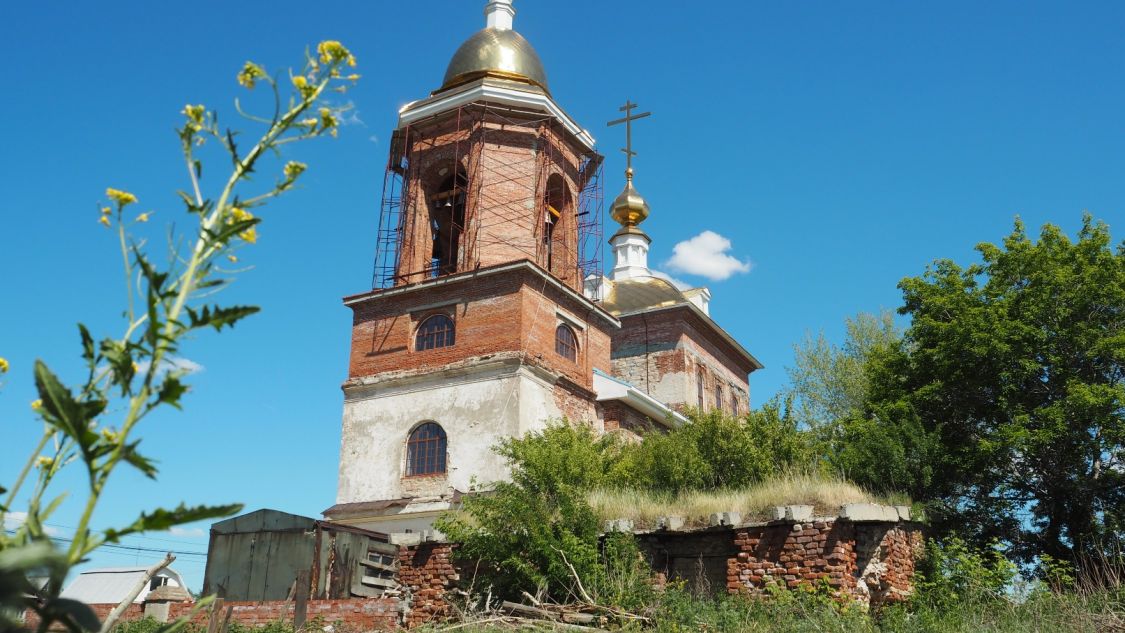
(699, 386)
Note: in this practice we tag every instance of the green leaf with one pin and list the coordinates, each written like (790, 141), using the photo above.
(62, 411)
(171, 390)
(140, 462)
(87, 344)
(161, 519)
(217, 317)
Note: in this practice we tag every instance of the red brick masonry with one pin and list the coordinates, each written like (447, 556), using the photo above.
(871, 562)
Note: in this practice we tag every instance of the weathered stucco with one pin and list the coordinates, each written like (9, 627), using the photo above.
(477, 405)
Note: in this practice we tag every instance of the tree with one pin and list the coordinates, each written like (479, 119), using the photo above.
(829, 383)
(1016, 366)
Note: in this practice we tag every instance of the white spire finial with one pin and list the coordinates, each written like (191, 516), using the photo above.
(498, 14)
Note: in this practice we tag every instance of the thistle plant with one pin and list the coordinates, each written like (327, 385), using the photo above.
(93, 424)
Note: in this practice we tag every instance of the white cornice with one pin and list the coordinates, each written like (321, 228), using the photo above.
(492, 93)
(609, 388)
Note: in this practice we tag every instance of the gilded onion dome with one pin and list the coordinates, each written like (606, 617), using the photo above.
(495, 52)
(629, 209)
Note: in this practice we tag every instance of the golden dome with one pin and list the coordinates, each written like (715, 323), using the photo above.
(493, 52)
(629, 208)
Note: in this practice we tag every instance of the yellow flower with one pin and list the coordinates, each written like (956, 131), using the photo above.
(353, 77)
(233, 259)
(327, 119)
(333, 51)
(250, 73)
(109, 435)
(195, 114)
(241, 215)
(294, 169)
(300, 82)
(106, 210)
(136, 367)
(308, 122)
(144, 216)
(250, 235)
(44, 462)
(36, 405)
(104, 220)
(4, 366)
(122, 198)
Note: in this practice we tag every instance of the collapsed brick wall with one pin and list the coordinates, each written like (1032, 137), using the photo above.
(872, 563)
(427, 573)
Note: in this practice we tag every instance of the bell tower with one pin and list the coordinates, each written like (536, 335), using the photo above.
(476, 327)
(489, 169)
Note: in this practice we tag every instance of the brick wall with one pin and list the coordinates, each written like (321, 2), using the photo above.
(872, 563)
(494, 312)
(428, 572)
(506, 164)
(350, 615)
(665, 352)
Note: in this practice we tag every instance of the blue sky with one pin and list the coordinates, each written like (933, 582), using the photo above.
(838, 146)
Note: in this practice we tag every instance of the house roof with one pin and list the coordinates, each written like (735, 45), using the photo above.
(110, 585)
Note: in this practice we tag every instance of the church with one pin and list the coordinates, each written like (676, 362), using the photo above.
(490, 315)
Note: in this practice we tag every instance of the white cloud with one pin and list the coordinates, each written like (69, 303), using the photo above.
(174, 363)
(682, 285)
(13, 520)
(706, 255)
(179, 531)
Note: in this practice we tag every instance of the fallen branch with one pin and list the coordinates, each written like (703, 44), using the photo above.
(111, 619)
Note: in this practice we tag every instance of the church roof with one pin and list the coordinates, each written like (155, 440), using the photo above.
(494, 52)
(640, 293)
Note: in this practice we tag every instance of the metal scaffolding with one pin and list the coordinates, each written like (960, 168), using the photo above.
(479, 175)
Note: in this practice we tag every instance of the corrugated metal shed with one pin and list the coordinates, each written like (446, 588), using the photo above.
(110, 585)
(260, 556)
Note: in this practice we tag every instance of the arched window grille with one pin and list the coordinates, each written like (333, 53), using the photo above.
(436, 331)
(566, 343)
(425, 450)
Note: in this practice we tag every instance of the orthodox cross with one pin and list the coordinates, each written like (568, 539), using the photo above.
(628, 121)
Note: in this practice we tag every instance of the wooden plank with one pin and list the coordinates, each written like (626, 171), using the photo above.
(300, 610)
(385, 583)
(379, 566)
(382, 548)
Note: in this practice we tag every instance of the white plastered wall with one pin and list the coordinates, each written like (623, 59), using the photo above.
(477, 406)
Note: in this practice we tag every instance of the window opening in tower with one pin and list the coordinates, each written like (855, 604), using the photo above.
(447, 221)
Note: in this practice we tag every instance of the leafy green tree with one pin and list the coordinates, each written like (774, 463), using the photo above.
(1015, 366)
(715, 450)
(829, 383)
(537, 530)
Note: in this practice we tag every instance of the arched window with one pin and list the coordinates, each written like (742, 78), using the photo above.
(447, 221)
(556, 255)
(718, 395)
(425, 450)
(436, 331)
(566, 344)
